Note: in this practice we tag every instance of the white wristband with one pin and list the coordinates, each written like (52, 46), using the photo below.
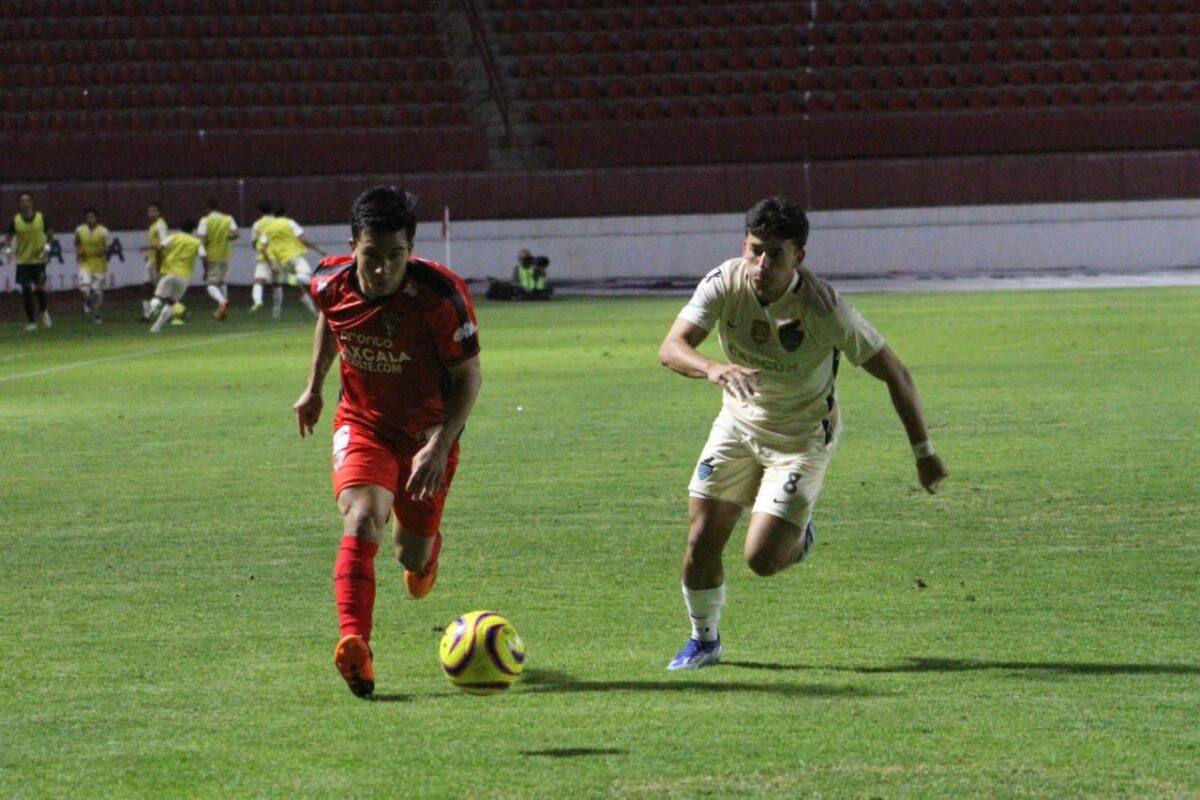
(923, 449)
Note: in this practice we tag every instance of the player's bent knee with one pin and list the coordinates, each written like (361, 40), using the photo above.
(362, 523)
(765, 563)
(411, 559)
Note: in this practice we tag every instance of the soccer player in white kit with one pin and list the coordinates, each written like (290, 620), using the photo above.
(784, 332)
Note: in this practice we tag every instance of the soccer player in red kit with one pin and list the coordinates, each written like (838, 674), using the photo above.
(405, 330)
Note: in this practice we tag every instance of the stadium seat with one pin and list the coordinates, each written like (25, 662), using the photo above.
(1035, 98)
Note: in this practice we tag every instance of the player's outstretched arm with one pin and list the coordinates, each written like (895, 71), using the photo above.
(308, 407)
(304, 240)
(678, 353)
(885, 366)
(429, 463)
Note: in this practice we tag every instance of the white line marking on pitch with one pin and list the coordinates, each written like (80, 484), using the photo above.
(122, 356)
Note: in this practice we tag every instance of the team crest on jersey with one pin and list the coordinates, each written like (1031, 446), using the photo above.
(468, 329)
(791, 335)
(391, 321)
(760, 331)
(705, 468)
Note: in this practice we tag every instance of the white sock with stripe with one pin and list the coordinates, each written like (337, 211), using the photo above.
(704, 608)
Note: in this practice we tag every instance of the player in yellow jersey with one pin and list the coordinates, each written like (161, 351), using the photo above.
(91, 254)
(217, 231)
(33, 235)
(177, 254)
(264, 271)
(154, 236)
(285, 245)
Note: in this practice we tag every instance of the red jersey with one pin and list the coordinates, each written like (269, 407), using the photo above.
(395, 350)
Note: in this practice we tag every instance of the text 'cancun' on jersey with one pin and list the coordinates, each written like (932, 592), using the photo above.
(395, 350)
(795, 349)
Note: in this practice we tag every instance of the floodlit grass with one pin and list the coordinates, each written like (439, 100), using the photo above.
(1032, 631)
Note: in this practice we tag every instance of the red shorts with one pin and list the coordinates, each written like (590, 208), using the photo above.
(361, 458)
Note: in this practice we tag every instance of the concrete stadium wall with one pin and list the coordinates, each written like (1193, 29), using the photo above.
(963, 241)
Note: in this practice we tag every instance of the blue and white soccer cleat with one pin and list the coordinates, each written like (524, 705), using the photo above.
(696, 654)
(809, 538)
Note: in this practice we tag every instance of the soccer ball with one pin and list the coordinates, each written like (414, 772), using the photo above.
(482, 653)
(178, 311)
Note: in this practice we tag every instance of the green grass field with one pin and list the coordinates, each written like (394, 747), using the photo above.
(1032, 631)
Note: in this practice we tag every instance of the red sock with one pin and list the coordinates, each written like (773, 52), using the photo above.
(354, 585)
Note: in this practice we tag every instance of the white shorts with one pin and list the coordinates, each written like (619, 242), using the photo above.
(90, 280)
(171, 287)
(217, 272)
(299, 267)
(267, 273)
(736, 468)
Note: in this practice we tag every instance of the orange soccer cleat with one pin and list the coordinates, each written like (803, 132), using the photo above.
(352, 657)
(419, 584)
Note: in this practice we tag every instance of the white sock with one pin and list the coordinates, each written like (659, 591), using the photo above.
(704, 608)
(256, 294)
(152, 307)
(147, 306)
(276, 299)
(164, 317)
(97, 299)
(224, 292)
(215, 293)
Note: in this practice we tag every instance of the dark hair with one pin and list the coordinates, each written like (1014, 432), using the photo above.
(541, 261)
(211, 203)
(384, 209)
(91, 210)
(776, 218)
(280, 209)
(266, 207)
(154, 204)
(188, 225)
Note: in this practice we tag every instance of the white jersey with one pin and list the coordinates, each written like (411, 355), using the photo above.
(794, 348)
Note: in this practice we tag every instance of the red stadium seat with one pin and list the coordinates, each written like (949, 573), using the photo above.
(761, 106)
(1099, 72)
(679, 109)
(1116, 94)
(1035, 97)
(1019, 75)
(1173, 93)
(1145, 93)
(1008, 98)
(734, 107)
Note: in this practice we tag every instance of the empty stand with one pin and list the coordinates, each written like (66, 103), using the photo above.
(737, 59)
(75, 68)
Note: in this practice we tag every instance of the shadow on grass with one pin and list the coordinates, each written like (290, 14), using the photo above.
(392, 698)
(972, 664)
(549, 681)
(575, 752)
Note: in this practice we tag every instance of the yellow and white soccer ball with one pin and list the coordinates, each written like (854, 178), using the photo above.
(482, 653)
(178, 311)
